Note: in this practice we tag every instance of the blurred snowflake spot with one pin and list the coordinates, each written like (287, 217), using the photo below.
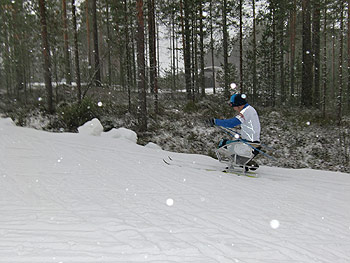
(274, 224)
(170, 202)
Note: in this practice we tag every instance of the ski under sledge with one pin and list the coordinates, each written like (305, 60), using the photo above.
(209, 168)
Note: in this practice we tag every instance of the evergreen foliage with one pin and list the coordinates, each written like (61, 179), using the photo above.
(74, 115)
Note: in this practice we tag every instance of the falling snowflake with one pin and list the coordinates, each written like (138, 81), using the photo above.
(170, 202)
(274, 224)
(99, 104)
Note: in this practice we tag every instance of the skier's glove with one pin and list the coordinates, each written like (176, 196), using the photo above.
(210, 122)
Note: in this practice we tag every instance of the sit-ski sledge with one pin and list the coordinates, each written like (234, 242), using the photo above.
(238, 154)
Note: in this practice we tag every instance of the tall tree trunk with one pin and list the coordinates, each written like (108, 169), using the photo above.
(128, 60)
(97, 68)
(273, 55)
(281, 20)
(152, 52)
(212, 47)
(292, 50)
(201, 48)
(254, 54)
(46, 56)
(65, 44)
(187, 48)
(348, 57)
(108, 45)
(316, 44)
(334, 38)
(340, 68)
(194, 52)
(225, 47)
(307, 79)
(133, 52)
(241, 46)
(324, 62)
(173, 46)
(6, 60)
(140, 39)
(119, 43)
(88, 37)
(76, 53)
(17, 49)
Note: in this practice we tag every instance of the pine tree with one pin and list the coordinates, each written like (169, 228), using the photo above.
(316, 44)
(340, 66)
(66, 44)
(187, 48)
(254, 53)
(152, 52)
(348, 57)
(225, 48)
(46, 56)
(307, 79)
(76, 53)
(97, 73)
(140, 39)
(292, 50)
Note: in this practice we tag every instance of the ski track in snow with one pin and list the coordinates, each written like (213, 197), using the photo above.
(74, 198)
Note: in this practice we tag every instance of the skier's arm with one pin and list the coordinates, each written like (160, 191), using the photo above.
(228, 123)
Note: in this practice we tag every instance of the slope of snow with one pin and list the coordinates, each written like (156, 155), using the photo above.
(81, 198)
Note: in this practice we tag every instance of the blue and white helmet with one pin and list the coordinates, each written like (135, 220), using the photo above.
(238, 100)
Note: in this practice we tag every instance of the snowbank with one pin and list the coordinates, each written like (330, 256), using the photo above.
(121, 133)
(152, 145)
(93, 127)
(7, 122)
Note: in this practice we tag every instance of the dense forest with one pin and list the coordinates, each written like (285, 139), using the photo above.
(280, 52)
(72, 58)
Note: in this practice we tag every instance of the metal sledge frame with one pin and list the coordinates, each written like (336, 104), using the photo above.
(232, 159)
(229, 132)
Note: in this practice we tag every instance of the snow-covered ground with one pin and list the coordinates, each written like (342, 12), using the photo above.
(68, 197)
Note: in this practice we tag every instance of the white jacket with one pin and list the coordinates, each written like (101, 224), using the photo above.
(248, 119)
(250, 124)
